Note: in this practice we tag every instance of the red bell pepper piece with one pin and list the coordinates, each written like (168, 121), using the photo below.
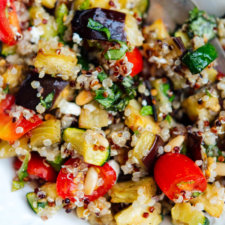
(135, 57)
(9, 24)
(11, 128)
(67, 183)
(176, 173)
(38, 167)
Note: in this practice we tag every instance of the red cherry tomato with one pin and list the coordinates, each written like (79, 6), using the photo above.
(176, 173)
(135, 57)
(108, 174)
(9, 24)
(37, 166)
(11, 130)
(68, 185)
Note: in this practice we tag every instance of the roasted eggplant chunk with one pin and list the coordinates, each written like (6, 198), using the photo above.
(100, 24)
(194, 146)
(150, 158)
(34, 89)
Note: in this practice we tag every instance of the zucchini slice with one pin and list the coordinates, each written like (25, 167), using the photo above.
(77, 138)
(8, 49)
(142, 6)
(185, 213)
(164, 101)
(35, 205)
(139, 6)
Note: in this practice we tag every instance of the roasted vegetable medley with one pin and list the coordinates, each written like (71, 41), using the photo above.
(110, 117)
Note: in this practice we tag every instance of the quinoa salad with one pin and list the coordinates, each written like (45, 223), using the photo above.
(112, 118)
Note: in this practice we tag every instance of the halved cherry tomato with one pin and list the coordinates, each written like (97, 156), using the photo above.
(108, 174)
(68, 185)
(37, 166)
(9, 24)
(176, 173)
(135, 57)
(11, 128)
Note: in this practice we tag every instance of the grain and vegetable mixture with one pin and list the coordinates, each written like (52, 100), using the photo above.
(109, 117)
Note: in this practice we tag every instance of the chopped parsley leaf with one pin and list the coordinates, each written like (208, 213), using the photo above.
(169, 119)
(102, 76)
(94, 25)
(22, 172)
(115, 54)
(201, 24)
(146, 110)
(6, 89)
(128, 82)
(47, 102)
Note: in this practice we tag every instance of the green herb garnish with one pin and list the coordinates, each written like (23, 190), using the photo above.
(115, 54)
(146, 110)
(128, 82)
(83, 62)
(94, 25)
(168, 119)
(102, 76)
(115, 98)
(106, 97)
(6, 89)
(57, 163)
(47, 102)
(184, 150)
(22, 172)
(201, 24)
(208, 93)
(165, 88)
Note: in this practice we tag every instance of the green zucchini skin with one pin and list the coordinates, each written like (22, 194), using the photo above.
(199, 59)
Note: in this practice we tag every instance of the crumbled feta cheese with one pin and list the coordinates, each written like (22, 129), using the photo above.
(76, 38)
(69, 108)
(36, 33)
(90, 107)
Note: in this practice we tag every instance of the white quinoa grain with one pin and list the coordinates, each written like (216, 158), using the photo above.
(160, 150)
(141, 88)
(179, 199)
(198, 162)
(47, 142)
(40, 108)
(167, 148)
(19, 130)
(127, 112)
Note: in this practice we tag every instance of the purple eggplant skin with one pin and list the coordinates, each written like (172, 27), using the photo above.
(27, 95)
(179, 43)
(194, 142)
(150, 159)
(113, 20)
